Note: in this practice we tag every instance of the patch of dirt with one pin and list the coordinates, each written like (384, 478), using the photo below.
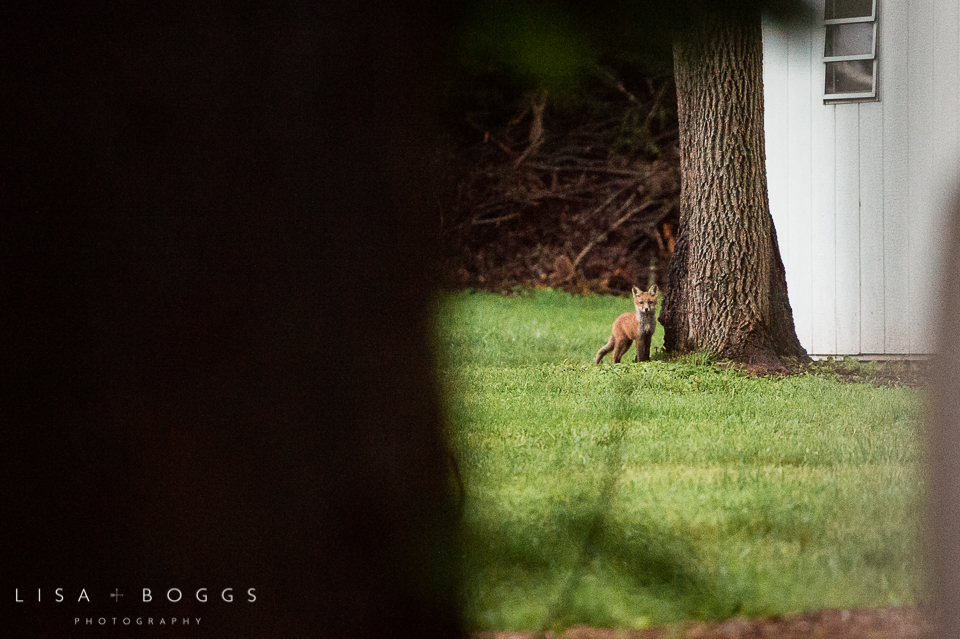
(861, 623)
(889, 374)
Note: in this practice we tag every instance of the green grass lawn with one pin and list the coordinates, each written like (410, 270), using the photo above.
(642, 494)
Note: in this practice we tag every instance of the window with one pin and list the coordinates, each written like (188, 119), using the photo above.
(850, 50)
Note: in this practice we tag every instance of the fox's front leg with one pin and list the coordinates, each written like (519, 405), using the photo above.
(643, 347)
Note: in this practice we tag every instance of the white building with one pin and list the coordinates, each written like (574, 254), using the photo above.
(863, 139)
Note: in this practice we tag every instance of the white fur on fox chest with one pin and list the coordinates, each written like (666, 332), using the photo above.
(646, 322)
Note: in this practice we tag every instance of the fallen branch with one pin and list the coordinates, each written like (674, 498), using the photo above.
(614, 82)
(538, 104)
(489, 137)
(589, 168)
(581, 194)
(614, 196)
(495, 220)
(603, 236)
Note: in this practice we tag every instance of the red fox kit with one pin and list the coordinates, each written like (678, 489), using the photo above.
(633, 326)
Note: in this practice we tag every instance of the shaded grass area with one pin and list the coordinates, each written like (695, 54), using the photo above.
(642, 494)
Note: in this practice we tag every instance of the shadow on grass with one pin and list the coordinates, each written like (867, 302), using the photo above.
(595, 571)
(573, 561)
(652, 571)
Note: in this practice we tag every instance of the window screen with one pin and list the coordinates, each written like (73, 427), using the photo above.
(850, 50)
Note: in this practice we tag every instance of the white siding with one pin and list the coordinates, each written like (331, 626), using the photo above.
(847, 156)
(872, 319)
(894, 95)
(919, 155)
(800, 162)
(823, 212)
(857, 190)
(775, 76)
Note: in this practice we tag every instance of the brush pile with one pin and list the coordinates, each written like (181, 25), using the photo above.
(579, 194)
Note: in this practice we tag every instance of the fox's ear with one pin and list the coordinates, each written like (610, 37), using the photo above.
(654, 290)
(636, 291)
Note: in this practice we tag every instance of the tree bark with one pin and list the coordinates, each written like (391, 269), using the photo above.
(728, 290)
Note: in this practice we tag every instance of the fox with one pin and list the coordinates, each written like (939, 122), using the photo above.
(638, 326)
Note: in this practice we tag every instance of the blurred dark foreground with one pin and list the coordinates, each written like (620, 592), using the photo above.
(216, 371)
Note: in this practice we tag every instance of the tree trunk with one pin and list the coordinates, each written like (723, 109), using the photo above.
(728, 290)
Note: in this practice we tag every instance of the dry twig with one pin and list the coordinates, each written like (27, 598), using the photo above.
(613, 227)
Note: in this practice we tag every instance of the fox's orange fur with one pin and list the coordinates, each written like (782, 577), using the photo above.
(638, 326)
